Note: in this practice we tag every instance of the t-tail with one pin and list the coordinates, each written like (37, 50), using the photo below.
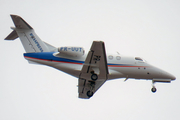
(30, 41)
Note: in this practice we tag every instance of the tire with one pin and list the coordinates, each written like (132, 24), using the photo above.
(89, 94)
(153, 89)
(94, 77)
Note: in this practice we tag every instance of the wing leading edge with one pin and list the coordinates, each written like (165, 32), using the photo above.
(94, 71)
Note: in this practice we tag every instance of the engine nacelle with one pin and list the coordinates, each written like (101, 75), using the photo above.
(71, 51)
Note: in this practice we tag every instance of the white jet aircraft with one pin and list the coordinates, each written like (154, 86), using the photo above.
(93, 69)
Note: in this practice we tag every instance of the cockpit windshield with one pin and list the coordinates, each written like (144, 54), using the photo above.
(139, 59)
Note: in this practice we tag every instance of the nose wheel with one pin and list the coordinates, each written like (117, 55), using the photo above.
(153, 89)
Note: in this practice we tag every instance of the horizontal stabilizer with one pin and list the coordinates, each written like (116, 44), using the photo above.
(13, 35)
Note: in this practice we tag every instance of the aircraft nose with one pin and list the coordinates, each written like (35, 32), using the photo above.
(173, 77)
(163, 74)
(169, 76)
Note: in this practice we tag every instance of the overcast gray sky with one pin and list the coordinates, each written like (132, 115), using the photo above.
(146, 28)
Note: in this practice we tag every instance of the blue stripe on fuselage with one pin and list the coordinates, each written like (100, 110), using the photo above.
(49, 56)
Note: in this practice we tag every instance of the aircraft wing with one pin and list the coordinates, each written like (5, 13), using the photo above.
(94, 71)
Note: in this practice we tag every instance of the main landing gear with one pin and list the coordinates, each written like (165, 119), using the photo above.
(153, 87)
(90, 92)
(94, 77)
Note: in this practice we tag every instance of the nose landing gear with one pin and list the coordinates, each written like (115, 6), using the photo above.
(153, 87)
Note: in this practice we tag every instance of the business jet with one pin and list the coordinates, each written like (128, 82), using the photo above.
(92, 69)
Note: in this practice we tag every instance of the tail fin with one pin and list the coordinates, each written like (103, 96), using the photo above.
(27, 35)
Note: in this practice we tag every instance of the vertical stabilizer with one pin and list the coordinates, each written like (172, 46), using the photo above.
(31, 42)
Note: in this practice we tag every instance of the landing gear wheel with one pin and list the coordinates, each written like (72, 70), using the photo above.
(89, 93)
(94, 77)
(153, 89)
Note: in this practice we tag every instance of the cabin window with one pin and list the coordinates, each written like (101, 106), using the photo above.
(118, 57)
(110, 57)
